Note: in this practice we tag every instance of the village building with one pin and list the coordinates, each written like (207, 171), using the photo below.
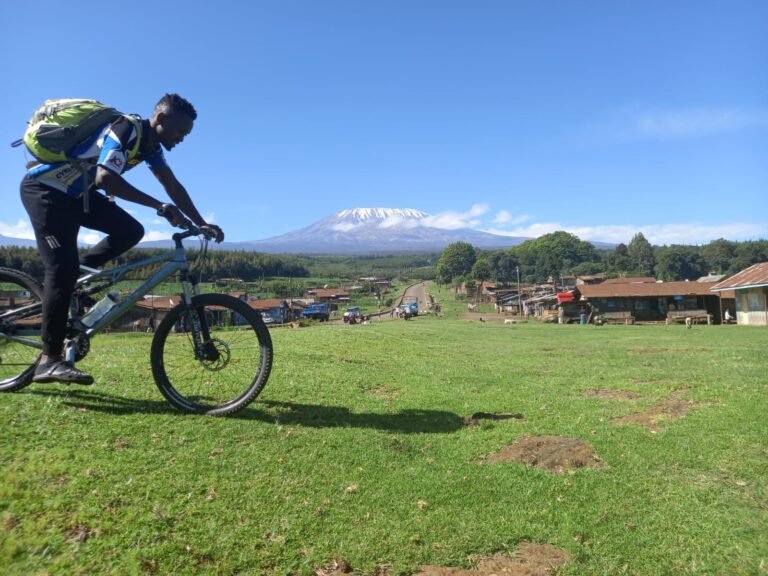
(750, 290)
(646, 300)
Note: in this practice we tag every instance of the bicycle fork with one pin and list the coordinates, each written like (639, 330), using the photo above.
(205, 349)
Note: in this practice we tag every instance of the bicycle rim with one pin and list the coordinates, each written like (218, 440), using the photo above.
(17, 360)
(236, 359)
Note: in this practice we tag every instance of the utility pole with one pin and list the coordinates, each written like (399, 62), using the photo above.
(519, 294)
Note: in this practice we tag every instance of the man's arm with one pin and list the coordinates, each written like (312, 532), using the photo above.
(115, 185)
(178, 194)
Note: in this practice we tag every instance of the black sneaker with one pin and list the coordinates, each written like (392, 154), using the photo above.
(60, 371)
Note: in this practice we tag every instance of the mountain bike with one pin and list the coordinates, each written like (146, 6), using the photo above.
(210, 354)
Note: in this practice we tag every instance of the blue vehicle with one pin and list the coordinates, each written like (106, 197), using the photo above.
(319, 311)
(409, 309)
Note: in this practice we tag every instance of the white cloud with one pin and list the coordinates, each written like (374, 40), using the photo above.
(644, 123)
(89, 238)
(502, 217)
(156, 235)
(22, 229)
(399, 221)
(658, 234)
(455, 220)
(344, 226)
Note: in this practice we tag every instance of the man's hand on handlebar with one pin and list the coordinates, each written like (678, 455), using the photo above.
(217, 233)
(177, 218)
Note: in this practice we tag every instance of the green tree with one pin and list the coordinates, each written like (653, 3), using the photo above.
(641, 255)
(719, 255)
(618, 261)
(555, 254)
(481, 272)
(456, 260)
(679, 263)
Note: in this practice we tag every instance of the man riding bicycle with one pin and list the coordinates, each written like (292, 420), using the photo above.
(53, 197)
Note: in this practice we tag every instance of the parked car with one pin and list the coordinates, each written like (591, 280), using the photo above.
(267, 318)
(352, 315)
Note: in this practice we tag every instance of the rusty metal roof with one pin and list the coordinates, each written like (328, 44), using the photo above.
(644, 289)
(752, 277)
(631, 280)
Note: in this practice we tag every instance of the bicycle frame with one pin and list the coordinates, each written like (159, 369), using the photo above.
(176, 261)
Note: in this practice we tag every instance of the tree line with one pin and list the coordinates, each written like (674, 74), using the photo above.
(255, 266)
(549, 256)
(563, 254)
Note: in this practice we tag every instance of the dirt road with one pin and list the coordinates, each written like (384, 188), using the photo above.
(419, 292)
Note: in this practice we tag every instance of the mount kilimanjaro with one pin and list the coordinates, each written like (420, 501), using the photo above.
(356, 231)
(365, 230)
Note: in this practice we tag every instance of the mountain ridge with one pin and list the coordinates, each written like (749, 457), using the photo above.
(360, 231)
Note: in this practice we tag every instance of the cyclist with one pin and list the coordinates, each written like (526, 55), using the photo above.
(52, 195)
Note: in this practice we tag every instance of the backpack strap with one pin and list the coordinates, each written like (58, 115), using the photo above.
(136, 121)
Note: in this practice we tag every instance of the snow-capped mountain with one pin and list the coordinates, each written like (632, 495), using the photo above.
(360, 230)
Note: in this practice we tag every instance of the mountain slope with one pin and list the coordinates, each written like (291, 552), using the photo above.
(377, 230)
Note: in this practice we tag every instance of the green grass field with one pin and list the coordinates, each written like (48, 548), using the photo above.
(359, 449)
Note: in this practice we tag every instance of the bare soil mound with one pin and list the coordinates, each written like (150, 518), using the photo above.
(529, 559)
(551, 453)
(672, 408)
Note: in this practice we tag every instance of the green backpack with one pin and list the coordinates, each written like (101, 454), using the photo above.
(58, 126)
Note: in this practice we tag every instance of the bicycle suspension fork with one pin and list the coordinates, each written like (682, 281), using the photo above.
(201, 330)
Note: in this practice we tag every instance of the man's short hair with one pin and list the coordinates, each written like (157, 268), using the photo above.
(173, 103)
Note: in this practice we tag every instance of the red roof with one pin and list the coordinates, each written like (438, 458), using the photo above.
(636, 280)
(752, 277)
(606, 290)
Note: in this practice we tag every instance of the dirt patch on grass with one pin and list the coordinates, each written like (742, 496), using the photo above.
(475, 419)
(551, 453)
(652, 381)
(612, 394)
(672, 408)
(528, 559)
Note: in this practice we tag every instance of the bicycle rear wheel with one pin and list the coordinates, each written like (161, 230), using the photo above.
(19, 292)
(231, 369)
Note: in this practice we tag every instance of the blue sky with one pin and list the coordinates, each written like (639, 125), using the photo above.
(602, 118)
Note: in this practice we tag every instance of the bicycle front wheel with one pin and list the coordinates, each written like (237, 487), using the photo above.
(21, 316)
(228, 369)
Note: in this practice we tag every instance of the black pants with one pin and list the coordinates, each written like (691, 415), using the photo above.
(56, 219)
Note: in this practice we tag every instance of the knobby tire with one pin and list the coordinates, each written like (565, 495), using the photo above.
(237, 363)
(17, 361)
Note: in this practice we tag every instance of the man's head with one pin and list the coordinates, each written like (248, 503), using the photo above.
(172, 119)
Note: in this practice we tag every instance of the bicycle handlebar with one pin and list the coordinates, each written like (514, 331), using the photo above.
(191, 228)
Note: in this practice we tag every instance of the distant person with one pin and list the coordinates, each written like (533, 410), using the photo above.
(582, 315)
(728, 317)
(53, 197)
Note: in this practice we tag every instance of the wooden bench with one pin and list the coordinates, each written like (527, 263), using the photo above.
(624, 317)
(694, 315)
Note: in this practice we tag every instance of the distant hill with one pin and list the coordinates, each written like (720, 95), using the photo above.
(22, 242)
(366, 230)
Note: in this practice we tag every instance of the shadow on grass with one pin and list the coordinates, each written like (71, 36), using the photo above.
(409, 421)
